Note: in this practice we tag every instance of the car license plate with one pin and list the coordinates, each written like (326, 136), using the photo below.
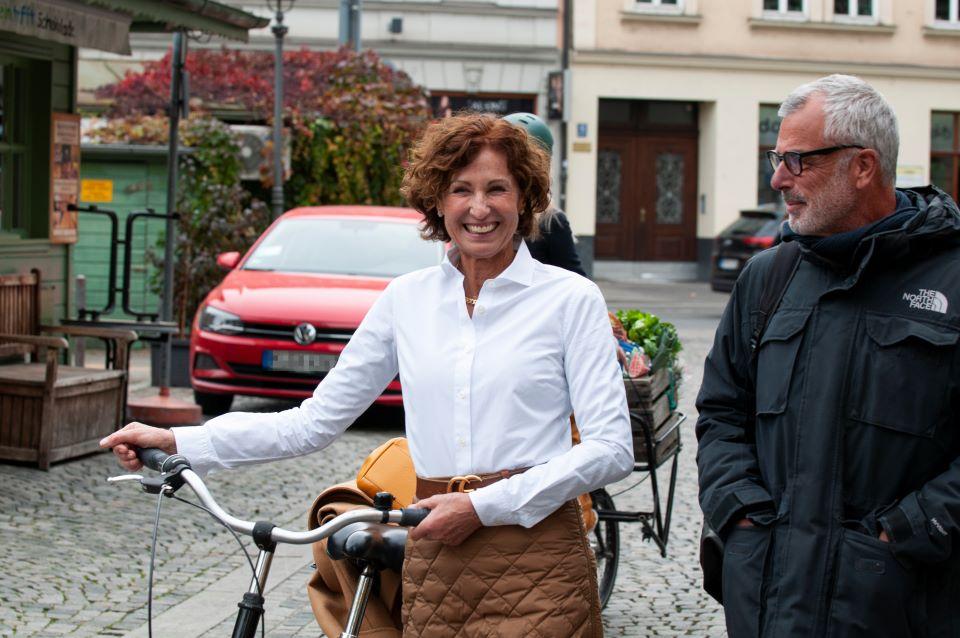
(728, 264)
(296, 361)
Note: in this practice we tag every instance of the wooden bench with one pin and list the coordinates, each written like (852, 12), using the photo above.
(50, 411)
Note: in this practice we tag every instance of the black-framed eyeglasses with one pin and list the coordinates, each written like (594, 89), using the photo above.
(794, 159)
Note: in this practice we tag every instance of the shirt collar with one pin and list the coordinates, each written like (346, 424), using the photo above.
(520, 269)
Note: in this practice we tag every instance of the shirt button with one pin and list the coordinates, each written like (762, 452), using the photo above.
(481, 310)
(462, 394)
(461, 442)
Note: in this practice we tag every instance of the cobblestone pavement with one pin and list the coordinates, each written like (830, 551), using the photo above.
(74, 549)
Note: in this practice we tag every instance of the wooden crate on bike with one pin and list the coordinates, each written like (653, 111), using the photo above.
(648, 399)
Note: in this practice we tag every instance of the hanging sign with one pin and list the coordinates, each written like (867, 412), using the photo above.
(72, 23)
(64, 177)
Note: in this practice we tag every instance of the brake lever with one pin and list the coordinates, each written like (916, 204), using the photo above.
(168, 484)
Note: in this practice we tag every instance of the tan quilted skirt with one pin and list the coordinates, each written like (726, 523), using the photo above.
(505, 581)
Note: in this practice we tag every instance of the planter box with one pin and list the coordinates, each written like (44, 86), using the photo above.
(648, 400)
(179, 363)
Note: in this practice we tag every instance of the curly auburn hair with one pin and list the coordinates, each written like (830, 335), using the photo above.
(452, 143)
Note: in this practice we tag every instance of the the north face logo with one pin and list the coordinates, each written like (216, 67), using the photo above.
(927, 300)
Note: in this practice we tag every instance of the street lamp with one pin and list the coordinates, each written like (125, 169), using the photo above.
(279, 30)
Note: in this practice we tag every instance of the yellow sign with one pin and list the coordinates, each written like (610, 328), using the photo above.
(96, 191)
(581, 147)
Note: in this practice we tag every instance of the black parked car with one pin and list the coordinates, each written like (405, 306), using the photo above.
(755, 230)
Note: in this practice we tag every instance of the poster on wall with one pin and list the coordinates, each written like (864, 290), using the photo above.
(446, 104)
(64, 177)
(555, 95)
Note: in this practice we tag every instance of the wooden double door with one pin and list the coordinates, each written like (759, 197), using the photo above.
(646, 197)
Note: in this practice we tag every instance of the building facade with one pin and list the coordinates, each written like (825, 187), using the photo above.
(40, 179)
(674, 103)
(490, 55)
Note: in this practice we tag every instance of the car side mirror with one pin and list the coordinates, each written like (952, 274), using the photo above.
(228, 261)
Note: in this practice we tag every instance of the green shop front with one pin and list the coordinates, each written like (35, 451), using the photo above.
(40, 158)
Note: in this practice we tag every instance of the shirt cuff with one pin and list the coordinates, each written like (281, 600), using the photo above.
(194, 443)
(489, 507)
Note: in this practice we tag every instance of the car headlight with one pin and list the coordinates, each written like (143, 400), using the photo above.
(214, 319)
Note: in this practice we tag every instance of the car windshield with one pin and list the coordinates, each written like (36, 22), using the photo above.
(365, 247)
(757, 225)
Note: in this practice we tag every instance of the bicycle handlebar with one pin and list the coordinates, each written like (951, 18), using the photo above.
(160, 461)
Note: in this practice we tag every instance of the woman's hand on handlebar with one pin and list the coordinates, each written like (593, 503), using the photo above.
(137, 435)
(451, 521)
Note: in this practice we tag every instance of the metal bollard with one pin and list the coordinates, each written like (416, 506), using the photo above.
(79, 343)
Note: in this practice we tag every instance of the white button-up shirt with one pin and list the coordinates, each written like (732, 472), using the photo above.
(482, 394)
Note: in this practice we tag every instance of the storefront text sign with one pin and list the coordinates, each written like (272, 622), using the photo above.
(67, 22)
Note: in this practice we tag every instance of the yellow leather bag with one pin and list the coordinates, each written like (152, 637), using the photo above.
(389, 468)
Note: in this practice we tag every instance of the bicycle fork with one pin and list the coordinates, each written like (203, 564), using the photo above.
(359, 606)
(251, 607)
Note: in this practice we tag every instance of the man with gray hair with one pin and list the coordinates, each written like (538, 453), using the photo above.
(829, 441)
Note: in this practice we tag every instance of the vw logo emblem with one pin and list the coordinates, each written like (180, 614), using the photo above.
(304, 334)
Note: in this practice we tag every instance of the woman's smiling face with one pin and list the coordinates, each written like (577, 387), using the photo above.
(481, 207)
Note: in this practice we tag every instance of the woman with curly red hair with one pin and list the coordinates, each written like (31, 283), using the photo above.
(494, 351)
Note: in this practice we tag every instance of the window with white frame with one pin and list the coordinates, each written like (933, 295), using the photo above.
(947, 11)
(858, 10)
(788, 8)
(659, 6)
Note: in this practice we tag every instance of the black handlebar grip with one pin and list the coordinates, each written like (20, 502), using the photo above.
(412, 516)
(152, 457)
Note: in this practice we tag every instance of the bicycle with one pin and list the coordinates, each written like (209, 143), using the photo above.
(657, 447)
(362, 535)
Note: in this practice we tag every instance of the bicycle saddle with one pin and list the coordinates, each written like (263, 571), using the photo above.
(378, 544)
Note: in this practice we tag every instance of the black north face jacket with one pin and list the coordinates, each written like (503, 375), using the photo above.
(847, 424)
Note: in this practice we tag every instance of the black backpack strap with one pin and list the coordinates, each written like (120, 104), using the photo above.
(775, 283)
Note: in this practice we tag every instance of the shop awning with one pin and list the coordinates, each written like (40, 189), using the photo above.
(106, 24)
(209, 17)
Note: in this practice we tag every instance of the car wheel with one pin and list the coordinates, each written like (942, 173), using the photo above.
(213, 404)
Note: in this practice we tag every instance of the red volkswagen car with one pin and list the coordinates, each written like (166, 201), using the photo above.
(276, 324)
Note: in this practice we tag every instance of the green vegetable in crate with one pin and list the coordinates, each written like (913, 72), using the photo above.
(658, 338)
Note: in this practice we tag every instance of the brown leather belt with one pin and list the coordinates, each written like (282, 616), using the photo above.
(427, 487)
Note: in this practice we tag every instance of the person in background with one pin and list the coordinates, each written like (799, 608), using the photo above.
(829, 447)
(556, 245)
(494, 350)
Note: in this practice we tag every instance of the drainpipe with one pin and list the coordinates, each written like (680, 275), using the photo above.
(565, 46)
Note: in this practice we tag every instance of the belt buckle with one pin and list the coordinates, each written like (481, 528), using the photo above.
(459, 483)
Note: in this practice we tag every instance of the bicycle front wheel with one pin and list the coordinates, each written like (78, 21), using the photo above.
(605, 541)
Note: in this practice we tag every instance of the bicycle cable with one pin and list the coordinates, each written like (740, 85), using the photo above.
(153, 555)
(627, 489)
(253, 570)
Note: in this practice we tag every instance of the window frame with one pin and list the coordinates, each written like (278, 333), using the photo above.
(762, 162)
(953, 15)
(954, 188)
(783, 13)
(16, 196)
(657, 6)
(853, 17)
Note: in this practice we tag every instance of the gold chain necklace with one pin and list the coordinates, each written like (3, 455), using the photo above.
(471, 300)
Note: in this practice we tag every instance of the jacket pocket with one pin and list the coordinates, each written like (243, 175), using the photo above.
(874, 595)
(744, 561)
(898, 372)
(777, 357)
